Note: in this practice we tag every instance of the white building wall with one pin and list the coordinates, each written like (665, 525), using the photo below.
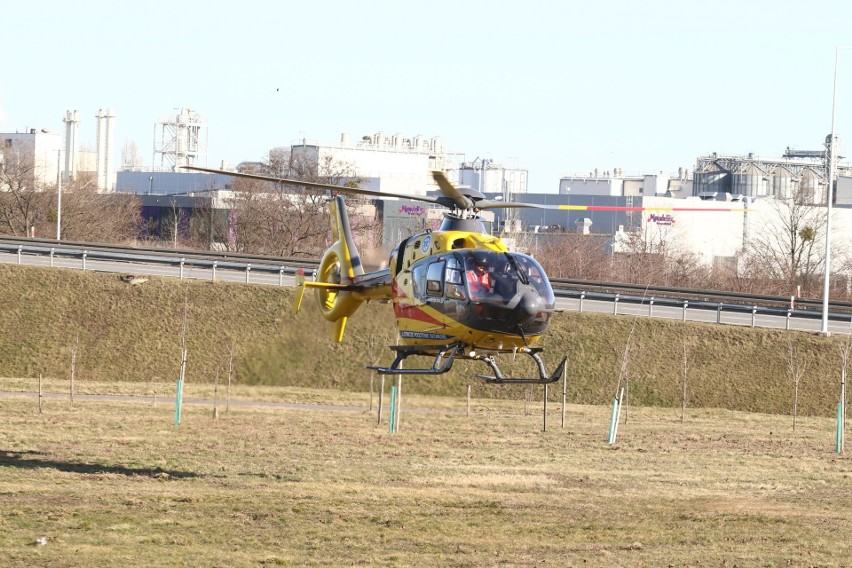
(592, 186)
(844, 191)
(394, 164)
(713, 229)
(46, 148)
(396, 172)
(708, 228)
(494, 179)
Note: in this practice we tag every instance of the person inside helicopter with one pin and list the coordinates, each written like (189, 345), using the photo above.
(479, 279)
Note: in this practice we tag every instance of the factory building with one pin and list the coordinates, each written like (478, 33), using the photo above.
(799, 173)
(394, 164)
(616, 183)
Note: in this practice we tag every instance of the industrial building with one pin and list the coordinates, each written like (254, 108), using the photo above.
(41, 146)
(394, 164)
(800, 174)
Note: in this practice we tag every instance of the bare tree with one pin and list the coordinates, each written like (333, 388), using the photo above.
(788, 247)
(23, 201)
(280, 220)
(845, 349)
(97, 217)
(572, 255)
(797, 365)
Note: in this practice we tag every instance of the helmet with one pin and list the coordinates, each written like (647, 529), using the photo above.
(480, 260)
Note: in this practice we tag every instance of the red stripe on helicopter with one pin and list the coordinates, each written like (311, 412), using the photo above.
(417, 313)
(402, 309)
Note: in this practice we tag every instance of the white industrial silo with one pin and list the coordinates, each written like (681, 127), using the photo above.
(105, 169)
(72, 125)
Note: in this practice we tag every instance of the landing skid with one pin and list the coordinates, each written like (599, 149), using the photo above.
(445, 356)
(443, 360)
(543, 378)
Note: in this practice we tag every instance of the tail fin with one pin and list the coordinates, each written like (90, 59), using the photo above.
(340, 264)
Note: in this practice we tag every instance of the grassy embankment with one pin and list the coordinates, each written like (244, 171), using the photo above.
(131, 333)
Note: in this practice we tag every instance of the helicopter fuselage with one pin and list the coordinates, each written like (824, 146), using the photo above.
(458, 286)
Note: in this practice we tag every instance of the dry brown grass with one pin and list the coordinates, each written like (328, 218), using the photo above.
(111, 483)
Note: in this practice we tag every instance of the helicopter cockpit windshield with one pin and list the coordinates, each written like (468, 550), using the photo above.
(496, 277)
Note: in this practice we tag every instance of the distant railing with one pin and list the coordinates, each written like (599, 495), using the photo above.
(579, 290)
(211, 260)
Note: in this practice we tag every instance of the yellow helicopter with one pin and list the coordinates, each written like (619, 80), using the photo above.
(457, 293)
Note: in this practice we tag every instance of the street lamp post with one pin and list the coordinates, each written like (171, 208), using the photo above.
(830, 199)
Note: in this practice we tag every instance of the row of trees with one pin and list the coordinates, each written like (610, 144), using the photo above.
(29, 206)
(271, 219)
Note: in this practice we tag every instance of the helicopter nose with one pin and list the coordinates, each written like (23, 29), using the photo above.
(530, 304)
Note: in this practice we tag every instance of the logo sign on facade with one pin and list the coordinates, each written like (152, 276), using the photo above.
(412, 210)
(664, 219)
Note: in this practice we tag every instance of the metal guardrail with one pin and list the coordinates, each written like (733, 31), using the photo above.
(685, 304)
(181, 258)
(721, 302)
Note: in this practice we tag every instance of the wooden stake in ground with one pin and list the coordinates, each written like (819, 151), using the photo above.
(216, 395)
(230, 374)
(381, 399)
(685, 376)
(40, 397)
(564, 392)
(74, 366)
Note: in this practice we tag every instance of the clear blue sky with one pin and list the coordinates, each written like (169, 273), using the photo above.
(560, 86)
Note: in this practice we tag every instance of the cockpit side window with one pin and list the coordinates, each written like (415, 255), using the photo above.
(418, 279)
(454, 286)
(435, 279)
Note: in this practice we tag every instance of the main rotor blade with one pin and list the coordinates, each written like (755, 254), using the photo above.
(448, 189)
(490, 204)
(312, 185)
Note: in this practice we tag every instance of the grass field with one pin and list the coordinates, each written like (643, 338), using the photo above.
(116, 483)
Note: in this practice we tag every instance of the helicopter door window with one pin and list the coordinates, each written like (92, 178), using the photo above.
(454, 283)
(418, 279)
(435, 279)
